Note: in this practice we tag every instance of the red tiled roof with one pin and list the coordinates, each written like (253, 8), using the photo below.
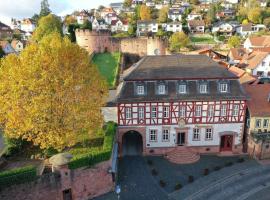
(237, 71)
(237, 53)
(258, 104)
(254, 59)
(263, 41)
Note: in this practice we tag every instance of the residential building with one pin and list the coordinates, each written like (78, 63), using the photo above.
(82, 17)
(196, 26)
(6, 46)
(175, 14)
(136, 2)
(258, 116)
(145, 27)
(17, 45)
(106, 11)
(236, 55)
(193, 16)
(224, 28)
(248, 29)
(117, 7)
(118, 26)
(28, 25)
(256, 42)
(256, 63)
(110, 17)
(173, 27)
(5, 31)
(99, 25)
(180, 102)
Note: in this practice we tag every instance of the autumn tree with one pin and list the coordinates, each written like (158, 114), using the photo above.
(127, 3)
(69, 19)
(47, 25)
(44, 8)
(254, 15)
(145, 12)
(178, 40)
(234, 41)
(50, 93)
(163, 15)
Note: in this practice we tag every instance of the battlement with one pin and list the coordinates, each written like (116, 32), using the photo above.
(86, 32)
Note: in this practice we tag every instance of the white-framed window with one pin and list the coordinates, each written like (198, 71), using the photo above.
(211, 111)
(235, 111)
(265, 123)
(141, 112)
(196, 134)
(203, 88)
(153, 135)
(258, 123)
(140, 89)
(128, 112)
(182, 88)
(223, 110)
(165, 135)
(223, 87)
(182, 111)
(161, 89)
(153, 112)
(166, 112)
(198, 111)
(209, 134)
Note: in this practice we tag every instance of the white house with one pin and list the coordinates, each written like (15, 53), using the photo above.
(146, 26)
(193, 16)
(248, 29)
(99, 25)
(117, 7)
(175, 14)
(196, 26)
(118, 25)
(223, 28)
(28, 25)
(82, 17)
(17, 45)
(110, 17)
(173, 27)
(256, 42)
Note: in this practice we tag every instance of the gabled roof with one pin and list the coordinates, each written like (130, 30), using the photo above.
(237, 53)
(195, 23)
(260, 41)
(146, 22)
(247, 27)
(258, 105)
(113, 22)
(4, 27)
(174, 67)
(253, 59)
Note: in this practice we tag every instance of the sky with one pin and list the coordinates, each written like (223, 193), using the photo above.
(26, 8)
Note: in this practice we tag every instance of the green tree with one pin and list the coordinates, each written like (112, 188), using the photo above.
(266, 21)
(195, 2)
(50, 93)
(127, 3)
(87, 25)
(178, 40)
(160, 33)
(2, 53)
(131, 30)
(163, 15)
(234, 41)
(47, 25)
(71, 30)
(44, 8)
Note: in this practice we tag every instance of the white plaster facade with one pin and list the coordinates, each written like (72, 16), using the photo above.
(263, 68)
(174, 27)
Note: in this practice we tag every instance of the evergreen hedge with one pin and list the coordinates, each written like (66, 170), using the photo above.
(18, 176)
(96, 155)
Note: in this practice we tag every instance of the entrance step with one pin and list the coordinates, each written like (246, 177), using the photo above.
(182, 155)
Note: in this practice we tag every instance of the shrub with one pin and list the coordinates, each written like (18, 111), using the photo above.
(150, 162)
(15, 146)
(206, 171)
(18, 176)
(216, 168)
(228, 164)
(162, 183)
(178, 186)
(154, 172)
(240, 160)
(190, 179)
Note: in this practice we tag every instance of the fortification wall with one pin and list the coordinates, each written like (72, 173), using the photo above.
(83, 183)
(102, 41)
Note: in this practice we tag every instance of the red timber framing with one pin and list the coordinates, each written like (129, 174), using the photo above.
(152, 113)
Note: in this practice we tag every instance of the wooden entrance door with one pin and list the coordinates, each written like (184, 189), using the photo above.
(181, 138)
(226, 143)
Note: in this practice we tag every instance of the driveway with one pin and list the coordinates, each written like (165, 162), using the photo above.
(136, 181)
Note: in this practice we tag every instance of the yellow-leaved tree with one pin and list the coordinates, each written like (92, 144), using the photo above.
(145, 13)
(50, 93)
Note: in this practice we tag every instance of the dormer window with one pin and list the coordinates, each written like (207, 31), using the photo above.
(203, 88)
(182, 88)
(161, 89)
(223, 87)
(140, 89)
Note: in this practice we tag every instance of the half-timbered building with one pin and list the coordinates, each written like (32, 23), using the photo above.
(180, 102)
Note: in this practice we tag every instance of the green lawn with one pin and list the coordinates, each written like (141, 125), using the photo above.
(107, 64)
(202, 40)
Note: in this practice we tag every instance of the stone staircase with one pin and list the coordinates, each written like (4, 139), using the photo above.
(182, 155)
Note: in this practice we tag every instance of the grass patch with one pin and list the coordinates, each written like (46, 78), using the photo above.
(108, 65)
(202, 40)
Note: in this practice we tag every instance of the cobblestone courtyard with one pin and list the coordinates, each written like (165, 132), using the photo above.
(154, 178)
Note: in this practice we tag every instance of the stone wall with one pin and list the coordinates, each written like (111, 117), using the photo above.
(84, 183)
(102, 41)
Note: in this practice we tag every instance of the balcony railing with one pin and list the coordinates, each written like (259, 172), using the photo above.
(260, 136)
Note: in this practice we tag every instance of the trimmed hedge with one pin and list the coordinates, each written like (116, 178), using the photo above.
(18, 176)
(96, 155)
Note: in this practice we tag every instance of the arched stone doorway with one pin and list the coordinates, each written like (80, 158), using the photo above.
(132, 143)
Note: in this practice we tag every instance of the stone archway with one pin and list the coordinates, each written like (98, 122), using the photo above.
(132, 143)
